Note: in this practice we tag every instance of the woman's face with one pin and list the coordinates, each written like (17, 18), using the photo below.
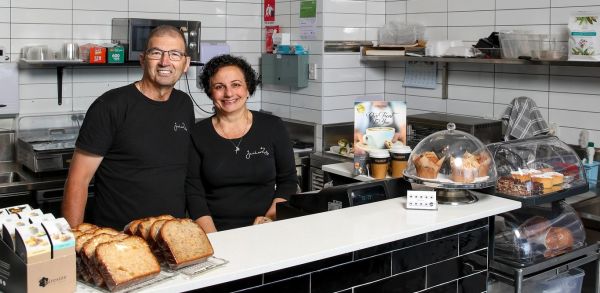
(228, 89)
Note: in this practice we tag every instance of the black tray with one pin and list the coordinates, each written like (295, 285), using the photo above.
(546, 198)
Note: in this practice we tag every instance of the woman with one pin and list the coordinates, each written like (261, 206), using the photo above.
(243, 163)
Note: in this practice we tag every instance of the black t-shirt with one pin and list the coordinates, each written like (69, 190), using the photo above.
(145, 147)
(236, 188)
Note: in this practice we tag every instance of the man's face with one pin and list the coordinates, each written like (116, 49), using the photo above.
(164, 72)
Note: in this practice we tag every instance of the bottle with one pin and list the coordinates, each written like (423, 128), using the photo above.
(590, 151)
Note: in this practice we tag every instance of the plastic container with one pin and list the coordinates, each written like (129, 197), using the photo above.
(517, 44)
(591, 172)
(570, 281)
(451, 159)
(536, 167)
(533, 234)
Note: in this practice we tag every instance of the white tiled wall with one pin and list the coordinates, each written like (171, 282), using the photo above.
(567, 96)
(27, 22)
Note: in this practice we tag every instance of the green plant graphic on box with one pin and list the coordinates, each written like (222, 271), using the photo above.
(581, 20)
(584, 47)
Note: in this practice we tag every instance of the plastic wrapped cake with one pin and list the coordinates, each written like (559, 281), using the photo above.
(532, 234)
(451, 159)
(536, 167)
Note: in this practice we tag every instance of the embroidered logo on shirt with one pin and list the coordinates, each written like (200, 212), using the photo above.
(179, 126)
(261, 151)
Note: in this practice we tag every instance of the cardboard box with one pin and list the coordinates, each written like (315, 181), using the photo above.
(8, 231)
(42, 218)
(32, 244)
(53, 276)
(116, 54)
(97, 55)
(18, 209)
(61, 237)
(26, 214)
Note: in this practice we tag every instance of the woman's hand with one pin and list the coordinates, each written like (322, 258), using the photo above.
(272, 212)
(207, 224)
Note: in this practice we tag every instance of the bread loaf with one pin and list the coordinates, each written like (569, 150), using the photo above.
(85, 226)
(143, 228)
(82, 270)
(88, 256)
(131, 227)
(126, 262)
(183, 243)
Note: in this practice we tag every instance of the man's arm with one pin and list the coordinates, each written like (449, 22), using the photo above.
(82, 169)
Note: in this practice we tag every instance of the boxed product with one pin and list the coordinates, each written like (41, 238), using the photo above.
(8, 231)
(7, 218)
(32, 244)
(116, 54)
(33, 268)
(25, 215)
(41, 218)
(61, 237)
(17, 209)
(584, 36)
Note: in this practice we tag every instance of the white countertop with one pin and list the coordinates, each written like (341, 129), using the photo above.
(264, 248)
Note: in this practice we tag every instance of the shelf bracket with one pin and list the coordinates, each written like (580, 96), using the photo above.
(444, 80)
(59, 83)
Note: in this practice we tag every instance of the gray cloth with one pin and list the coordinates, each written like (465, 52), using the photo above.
(523, 119)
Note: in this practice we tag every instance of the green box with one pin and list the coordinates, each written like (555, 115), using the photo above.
(116, 54)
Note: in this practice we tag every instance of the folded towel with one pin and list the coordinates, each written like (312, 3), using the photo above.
(523, 119)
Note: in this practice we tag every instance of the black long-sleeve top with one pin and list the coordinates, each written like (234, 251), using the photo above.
(236, 188)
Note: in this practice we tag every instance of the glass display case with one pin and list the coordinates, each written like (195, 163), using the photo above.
(537, 170)
(533, 234)
(453, 162)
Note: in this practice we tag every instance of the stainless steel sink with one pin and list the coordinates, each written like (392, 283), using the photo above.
(10, 177)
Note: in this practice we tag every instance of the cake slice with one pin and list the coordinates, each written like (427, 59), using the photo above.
(183, 243)
(126, 262)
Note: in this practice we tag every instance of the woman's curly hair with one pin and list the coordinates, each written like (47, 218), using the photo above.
(213, 65)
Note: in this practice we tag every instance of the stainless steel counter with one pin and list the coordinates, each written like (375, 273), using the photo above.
(13, 178)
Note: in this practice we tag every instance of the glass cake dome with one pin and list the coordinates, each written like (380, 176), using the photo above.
(452, 161)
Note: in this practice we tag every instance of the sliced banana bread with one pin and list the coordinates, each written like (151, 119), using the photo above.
(126, 262)
(183, 243)
(88, 255)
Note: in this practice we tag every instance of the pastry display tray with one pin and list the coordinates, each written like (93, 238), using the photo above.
(546, 198)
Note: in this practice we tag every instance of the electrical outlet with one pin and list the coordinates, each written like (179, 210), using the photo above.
(312, 71)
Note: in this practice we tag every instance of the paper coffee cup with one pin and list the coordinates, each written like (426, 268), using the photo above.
(399, 156)
(379, 160)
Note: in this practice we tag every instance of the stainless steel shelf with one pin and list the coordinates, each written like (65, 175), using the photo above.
(482, 60)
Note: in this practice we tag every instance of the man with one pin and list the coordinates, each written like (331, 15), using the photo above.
(135, 140)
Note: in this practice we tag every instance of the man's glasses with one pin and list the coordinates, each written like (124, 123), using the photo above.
(156, 54)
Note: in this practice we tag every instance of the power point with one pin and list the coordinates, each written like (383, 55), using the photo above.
(312, 71)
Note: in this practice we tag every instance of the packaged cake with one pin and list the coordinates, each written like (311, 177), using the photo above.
(60, 235)
(17, 209)
(32, 243)
(41, 218)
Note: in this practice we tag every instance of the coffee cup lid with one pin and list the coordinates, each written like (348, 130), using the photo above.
(379, 153)
(400, 149)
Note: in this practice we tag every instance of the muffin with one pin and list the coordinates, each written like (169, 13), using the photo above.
(485, 162)
(535, 226)
(464, 169)
(428, 165)
(558, 239)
